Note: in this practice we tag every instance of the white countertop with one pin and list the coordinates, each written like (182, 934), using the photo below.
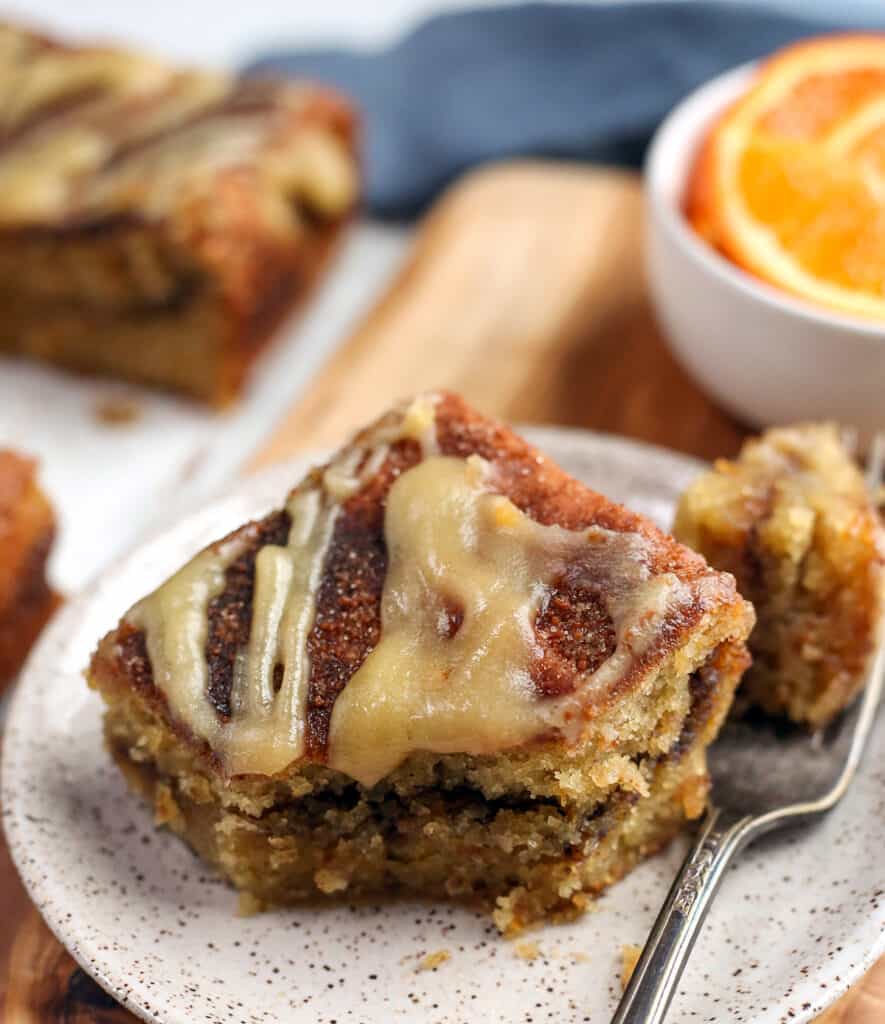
(228, 32)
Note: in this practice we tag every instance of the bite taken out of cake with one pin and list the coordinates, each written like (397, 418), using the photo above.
(792, 520)
(443, 669)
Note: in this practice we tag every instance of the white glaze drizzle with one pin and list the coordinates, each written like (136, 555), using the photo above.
(166, 130)
(265, 731)
(452, 542)
(451, 539)
(175, 625)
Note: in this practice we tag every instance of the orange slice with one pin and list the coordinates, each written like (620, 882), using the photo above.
(790, 182)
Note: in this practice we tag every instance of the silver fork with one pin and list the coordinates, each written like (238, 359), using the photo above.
(765, 776)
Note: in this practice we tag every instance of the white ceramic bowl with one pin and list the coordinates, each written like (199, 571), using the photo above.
(763, 355)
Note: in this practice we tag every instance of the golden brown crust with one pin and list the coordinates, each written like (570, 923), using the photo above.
(27, 528)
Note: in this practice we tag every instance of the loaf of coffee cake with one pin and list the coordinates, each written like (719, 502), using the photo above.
(157, 223)
(27, 528)
(444, 668)
(792, 520)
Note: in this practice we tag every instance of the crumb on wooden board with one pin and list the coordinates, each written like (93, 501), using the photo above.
(116, 410)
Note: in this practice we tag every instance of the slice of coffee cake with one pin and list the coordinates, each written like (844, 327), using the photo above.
(156, 223)
(444, 668)
(792, 519)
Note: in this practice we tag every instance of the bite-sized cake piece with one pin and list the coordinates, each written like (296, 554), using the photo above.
(792, 520)
(444, 668)
(157, 223)
(27, 528)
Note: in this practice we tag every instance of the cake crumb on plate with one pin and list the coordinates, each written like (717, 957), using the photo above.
(248, 905)
(433, 960)
(527, 950)
(629, 958)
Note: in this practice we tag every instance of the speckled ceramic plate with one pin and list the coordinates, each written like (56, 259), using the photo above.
(797, 920)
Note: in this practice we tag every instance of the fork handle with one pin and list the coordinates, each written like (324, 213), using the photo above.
(653, 985)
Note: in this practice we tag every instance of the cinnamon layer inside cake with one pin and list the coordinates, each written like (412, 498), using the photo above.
(527, 835)
(181, 333)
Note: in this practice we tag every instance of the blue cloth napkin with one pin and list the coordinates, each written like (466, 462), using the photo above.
(556, 80)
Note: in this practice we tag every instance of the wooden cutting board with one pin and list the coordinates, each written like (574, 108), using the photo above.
(525, 293)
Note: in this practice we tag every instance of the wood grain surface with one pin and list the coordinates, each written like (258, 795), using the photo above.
(525, 292)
